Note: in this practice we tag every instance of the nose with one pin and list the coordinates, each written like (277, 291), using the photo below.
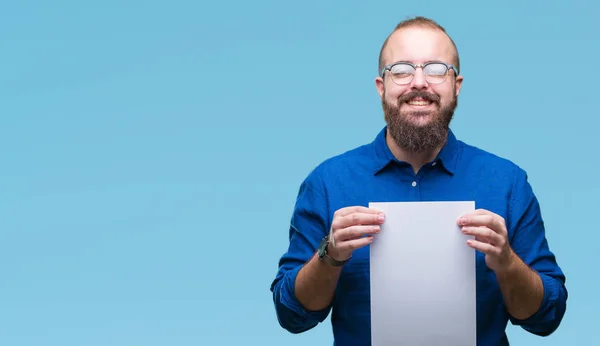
(419, 81)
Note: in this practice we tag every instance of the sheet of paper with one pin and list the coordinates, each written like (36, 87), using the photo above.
(423, 289)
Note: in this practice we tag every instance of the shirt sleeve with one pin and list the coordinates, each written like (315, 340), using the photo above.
(529, 242)
(307, 227)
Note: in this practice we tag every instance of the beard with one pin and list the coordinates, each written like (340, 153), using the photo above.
(416, 138)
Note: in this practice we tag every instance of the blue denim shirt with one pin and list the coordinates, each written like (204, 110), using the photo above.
(371, 173)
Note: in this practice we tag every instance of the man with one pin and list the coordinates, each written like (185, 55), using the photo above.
(416, 157)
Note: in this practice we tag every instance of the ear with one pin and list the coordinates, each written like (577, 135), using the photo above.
(380, 85)
(458, 84)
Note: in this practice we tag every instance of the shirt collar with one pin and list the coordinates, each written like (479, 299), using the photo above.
(448, 156)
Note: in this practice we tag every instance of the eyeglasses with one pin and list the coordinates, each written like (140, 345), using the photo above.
(403, 72)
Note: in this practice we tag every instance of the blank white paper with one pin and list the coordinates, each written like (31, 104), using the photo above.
(423, 288)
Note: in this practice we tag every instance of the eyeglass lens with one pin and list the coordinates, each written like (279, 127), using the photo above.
(404, 73)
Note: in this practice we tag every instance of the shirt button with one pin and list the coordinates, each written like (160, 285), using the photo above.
(414, 183)
(433, 164)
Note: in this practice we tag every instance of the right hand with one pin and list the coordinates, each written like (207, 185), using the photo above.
(352, 228)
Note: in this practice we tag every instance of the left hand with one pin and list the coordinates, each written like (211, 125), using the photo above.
(491, 238)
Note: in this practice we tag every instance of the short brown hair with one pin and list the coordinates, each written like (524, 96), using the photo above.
(422, 22)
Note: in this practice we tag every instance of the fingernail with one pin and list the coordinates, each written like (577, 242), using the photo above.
(462, 220)
(381, 217)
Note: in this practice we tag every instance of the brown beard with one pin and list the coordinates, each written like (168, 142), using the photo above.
(414, 138)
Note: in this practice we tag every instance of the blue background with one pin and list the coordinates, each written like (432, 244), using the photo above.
(152, 151)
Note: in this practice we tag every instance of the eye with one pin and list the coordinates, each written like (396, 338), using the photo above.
(402, 70)
(436, 70)
(402, 73)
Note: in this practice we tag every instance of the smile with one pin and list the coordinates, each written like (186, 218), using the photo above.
(419, 102)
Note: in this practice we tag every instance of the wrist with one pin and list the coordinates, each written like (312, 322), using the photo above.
(337, 255)
(327, 254)
(510, 266)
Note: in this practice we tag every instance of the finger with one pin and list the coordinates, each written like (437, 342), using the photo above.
(484, 234)
(491, 221)
(354, 209)
(477, 212)
(480, 211)
(475, 220)
(485, 248)
(358, 219)
(354, 232)
(351, 245)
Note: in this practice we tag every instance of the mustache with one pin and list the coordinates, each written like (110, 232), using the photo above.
(434, 98)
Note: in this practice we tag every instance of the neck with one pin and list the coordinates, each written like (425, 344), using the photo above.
(415, 159)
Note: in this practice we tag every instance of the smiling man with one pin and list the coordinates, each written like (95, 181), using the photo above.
(416, 157)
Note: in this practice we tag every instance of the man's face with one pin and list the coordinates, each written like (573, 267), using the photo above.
(418, 114)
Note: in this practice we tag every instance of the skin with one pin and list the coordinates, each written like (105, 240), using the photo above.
(316, 281)
(521, 287)
(418, 45)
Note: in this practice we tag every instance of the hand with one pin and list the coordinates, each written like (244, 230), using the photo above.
(491, 238)
(352, 228)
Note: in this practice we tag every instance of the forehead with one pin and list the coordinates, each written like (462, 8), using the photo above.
(419, 45)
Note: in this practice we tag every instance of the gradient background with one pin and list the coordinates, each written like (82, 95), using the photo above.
(152, 152)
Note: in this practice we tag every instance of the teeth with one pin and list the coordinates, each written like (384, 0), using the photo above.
(419, 103)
